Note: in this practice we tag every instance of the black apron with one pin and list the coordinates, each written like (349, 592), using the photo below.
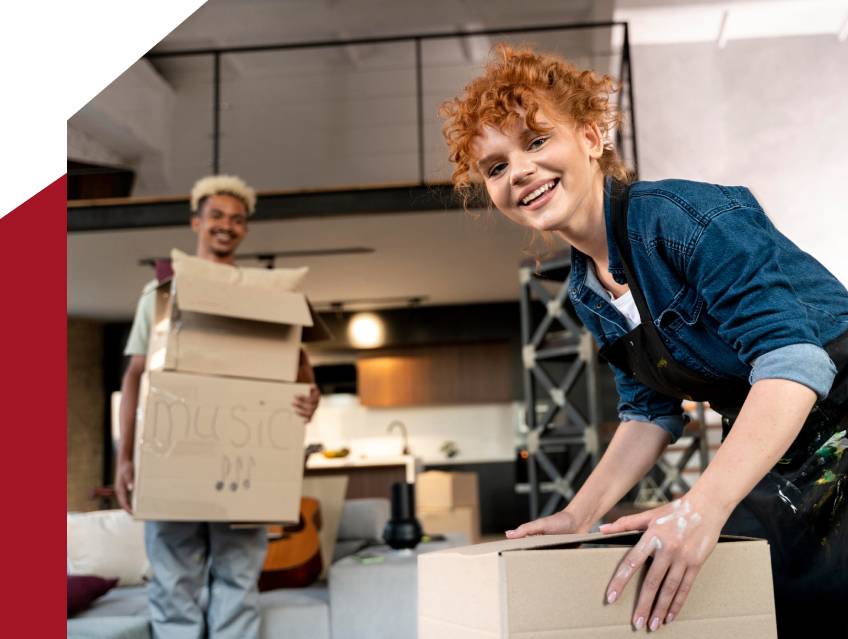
(800, 506)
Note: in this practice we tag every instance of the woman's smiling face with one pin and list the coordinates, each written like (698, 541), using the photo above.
(542, 180)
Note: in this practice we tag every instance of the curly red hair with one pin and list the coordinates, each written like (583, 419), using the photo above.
(521, 80)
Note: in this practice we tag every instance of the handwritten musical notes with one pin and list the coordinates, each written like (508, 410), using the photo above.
(236, 465)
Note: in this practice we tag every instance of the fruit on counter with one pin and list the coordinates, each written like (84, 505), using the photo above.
(336, 453)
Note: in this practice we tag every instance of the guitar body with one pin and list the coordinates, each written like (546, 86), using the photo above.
(294, 552)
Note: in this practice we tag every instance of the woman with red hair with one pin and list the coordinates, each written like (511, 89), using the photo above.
(689, 292)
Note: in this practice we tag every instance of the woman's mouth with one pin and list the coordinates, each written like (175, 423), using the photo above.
(540, 195)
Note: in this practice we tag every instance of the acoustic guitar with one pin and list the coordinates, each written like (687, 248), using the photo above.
(294, 551)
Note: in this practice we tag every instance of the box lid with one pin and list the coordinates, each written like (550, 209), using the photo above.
(540, 542)
(267, 295)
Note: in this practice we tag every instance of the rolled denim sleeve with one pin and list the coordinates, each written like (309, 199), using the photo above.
(736, 269)
(639, 403)
(806, 364)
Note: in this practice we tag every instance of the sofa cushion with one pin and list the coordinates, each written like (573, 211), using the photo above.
(84, 589)
(107, 543)
(364, 519)
(123, 601)
(109, 628)
(298, 613)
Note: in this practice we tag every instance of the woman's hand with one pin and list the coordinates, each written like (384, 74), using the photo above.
(679, 536)
(556, 524)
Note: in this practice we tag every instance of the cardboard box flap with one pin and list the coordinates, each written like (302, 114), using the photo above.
(264, 305)
(287, 279)
(318, 331)
(540, 542)
(265, 295)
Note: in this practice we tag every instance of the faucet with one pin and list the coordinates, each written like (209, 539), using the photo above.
(399, 424)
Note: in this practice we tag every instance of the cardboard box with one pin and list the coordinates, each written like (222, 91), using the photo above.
(217, 449)
(436, 490)
(462, 519)
(555, 586)
(217, 319)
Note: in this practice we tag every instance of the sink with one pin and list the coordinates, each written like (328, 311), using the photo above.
(375, 447)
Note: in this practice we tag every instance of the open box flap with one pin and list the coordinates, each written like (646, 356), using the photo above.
(268, 295)
(539, 542)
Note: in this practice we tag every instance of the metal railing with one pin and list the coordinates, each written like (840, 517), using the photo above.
(625, 143)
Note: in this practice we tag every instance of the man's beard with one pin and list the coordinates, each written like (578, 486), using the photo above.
(223, 252)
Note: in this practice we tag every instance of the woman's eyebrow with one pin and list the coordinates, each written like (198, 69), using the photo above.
(487, 160)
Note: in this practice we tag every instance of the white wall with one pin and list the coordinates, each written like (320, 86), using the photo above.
(767, 114)
(482, 432)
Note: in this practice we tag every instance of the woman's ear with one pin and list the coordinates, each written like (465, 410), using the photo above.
(592, 140)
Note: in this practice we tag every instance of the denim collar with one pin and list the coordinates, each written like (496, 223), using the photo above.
(581, 275)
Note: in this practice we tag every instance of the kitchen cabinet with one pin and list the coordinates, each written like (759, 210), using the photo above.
(367, 477)
(437, 375)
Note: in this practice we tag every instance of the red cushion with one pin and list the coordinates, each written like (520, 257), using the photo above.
(84, 589)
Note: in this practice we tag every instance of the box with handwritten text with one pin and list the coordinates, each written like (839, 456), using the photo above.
(218, 449)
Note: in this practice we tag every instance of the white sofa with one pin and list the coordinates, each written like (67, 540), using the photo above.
(107, 544)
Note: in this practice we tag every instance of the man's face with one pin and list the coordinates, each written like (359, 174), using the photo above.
(220, 224)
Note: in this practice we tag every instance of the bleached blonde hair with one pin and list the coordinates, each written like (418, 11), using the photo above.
(222, 185)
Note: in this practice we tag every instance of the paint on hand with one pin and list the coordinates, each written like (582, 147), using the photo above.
(682, 515)
(664, 519)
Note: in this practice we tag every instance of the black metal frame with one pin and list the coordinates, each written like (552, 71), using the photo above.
(417, 39)
(434, 196)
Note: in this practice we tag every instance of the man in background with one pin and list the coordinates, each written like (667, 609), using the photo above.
(185, 556)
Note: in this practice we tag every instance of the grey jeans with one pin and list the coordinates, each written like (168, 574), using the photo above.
(204, 579)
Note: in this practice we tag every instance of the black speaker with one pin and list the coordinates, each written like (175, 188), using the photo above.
(403, 530)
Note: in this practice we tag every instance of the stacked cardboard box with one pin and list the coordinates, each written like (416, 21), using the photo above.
(448, 502)
(217, 438)
(554, 586)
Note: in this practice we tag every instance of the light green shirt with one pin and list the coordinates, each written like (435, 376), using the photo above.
(140, 332)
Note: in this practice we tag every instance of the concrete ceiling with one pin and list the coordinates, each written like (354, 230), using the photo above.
(444, 257)
(447, 257)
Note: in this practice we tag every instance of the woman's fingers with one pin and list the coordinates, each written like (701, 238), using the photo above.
(669, 589)
(630, 565)
(650, 587)
(682, 593)
(639, 521)
(558, 523)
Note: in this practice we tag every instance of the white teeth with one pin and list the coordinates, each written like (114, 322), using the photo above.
(532, 196)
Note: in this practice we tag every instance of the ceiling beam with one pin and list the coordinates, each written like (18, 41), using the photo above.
(151, 213)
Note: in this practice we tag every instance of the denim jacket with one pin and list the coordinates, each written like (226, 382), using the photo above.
(732, 297)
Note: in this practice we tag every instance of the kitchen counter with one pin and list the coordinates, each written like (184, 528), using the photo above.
(410, 465)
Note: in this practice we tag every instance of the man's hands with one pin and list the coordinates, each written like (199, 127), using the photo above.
(559, 523)
(305, 405)
(124, 478)
(680, 536)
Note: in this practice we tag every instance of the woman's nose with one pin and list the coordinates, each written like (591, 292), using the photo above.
(522, 172)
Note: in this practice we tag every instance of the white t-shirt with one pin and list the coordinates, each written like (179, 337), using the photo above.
(627, 307)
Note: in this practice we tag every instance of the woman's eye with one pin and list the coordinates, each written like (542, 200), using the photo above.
(496, 169)
(537, 143)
